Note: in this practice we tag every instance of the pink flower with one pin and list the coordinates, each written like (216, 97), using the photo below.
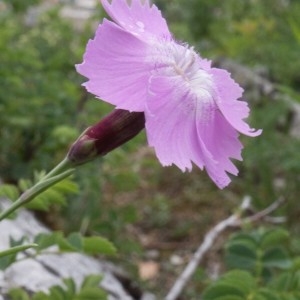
(192, 110)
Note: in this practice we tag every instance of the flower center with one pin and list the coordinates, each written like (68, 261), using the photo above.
(192, 85)
(186, 65)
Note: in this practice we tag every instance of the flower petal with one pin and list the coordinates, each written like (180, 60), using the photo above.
(114, 63)
(142, 20)
(219, 142)
(170, 124)
(182, 130)
(235, 111)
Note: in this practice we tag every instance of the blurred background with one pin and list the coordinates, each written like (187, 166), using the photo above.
(155, 216)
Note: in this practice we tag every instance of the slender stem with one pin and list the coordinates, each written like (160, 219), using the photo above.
(64, 165)
(37, 189)
(17, 249)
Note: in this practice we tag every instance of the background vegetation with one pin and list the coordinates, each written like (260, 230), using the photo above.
(150, 212)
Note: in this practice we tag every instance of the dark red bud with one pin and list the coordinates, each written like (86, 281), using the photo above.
(111, 132)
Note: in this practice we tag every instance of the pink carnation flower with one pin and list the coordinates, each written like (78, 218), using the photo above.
(192, 112)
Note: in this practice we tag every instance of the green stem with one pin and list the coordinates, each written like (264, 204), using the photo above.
(64, 165)
(60, 172)
(17, 249)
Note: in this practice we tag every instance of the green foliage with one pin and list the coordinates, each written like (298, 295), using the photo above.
(7, 260)
(234, 285)
(14, 250)
(55, 195)
(20, 6)
(263, 268)
(75, 242)
(255, 32)
(287, 285)
(271, 168)
(240, 285)
(9, 191)
(89, 290)
(260, 251)
(40, 111)
(7, 257)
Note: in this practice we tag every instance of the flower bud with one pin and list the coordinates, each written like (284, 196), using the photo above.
(111, 132)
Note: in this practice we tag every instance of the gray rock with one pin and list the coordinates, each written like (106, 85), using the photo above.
(48, 269)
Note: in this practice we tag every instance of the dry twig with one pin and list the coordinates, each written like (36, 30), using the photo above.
(234, 220)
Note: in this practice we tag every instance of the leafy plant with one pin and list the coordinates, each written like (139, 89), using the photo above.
(241, 285)
(75, 242)
(56, 195)
(20, 6)
(260, 252)
(90, 289)
(263, 268)
(42, 100)
(9, 256)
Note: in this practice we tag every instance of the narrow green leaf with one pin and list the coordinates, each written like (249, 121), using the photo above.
(98, 245)
(7, 257)
(16, 249)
